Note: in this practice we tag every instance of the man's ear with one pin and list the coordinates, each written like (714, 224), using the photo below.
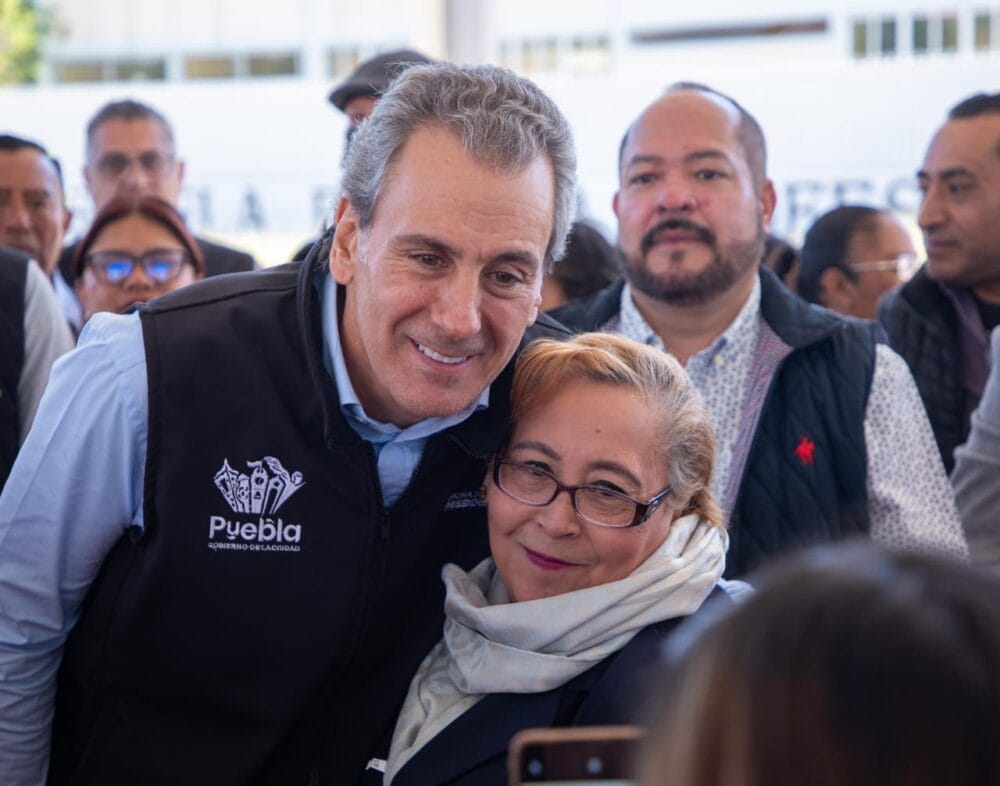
(768, 200)
(344, 249)
(614, 204)
(534, 307)
(67, 219)
(180, 175)
(836, 290)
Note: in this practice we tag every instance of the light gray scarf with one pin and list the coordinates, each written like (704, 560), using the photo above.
(492, 645)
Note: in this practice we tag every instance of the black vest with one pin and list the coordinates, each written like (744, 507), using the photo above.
(791, 498)
(271, 647)
(922, 326)
(13, 276)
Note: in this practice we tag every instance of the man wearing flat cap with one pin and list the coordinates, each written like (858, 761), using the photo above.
(356, 95)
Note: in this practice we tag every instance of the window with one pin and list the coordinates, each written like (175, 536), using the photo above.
(342, 61)
(139, 70)
(982, 33)
(213, 67)
(860, 38)
(540, 55)
(273, 65)
(79, 71)
(874, 37)
(949, 33)
(124, 70)
(589, 54)
(887, 30)
(921, 35)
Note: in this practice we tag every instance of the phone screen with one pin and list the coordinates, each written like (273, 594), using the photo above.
(574, 757)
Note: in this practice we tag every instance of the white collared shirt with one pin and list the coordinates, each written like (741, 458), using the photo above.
(910, 502)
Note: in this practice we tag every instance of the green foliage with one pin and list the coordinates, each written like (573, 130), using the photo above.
(22, 27)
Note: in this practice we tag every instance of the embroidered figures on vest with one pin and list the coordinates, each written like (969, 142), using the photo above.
(261, 492)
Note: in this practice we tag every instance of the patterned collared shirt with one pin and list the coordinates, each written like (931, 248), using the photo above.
(910, 501)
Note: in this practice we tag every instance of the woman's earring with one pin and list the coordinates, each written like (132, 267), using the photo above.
(482, 493)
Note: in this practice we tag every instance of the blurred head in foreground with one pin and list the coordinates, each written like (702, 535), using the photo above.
(850, 666)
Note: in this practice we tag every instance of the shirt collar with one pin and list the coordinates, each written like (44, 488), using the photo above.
(738, 337)
(351, 406)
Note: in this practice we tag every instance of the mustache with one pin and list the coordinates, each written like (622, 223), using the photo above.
(648, 240)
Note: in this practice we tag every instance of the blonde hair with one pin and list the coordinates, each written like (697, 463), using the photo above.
(686, 438)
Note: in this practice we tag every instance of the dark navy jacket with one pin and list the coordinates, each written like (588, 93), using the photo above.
(274, 647)
(788, 499)
(472, 750)
(922, 325)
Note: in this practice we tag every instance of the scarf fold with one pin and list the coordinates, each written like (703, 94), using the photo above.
(492, 645)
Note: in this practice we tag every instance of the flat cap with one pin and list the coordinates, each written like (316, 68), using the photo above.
(373, 76)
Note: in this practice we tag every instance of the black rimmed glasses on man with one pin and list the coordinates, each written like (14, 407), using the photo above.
(600, 505)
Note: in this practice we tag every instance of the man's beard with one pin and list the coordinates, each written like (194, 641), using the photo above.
(723, 270)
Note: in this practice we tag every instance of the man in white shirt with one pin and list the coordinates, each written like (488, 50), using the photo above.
(820, 431)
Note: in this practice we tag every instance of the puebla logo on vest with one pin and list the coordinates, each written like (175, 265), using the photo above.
(261, 493)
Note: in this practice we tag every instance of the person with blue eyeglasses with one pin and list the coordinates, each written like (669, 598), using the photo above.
(136, 249)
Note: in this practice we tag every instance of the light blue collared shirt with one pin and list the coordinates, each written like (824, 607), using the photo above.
(398, 449)
(77, 486)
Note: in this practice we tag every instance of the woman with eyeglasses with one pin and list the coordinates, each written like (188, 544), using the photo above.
(852, 256)
(603, 534)
(136, 249)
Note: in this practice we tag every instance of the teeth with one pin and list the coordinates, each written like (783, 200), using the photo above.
(451, 361)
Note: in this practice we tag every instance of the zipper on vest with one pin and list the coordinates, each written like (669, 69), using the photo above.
(383, 547)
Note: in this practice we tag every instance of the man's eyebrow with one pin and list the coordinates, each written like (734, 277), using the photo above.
(946, 174)
(516, 256)
(426, 241)
(441, 248)
(697, 155)
(643, 159)
(701, 155)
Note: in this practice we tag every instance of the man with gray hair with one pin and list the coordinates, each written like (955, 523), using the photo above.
(235, 551)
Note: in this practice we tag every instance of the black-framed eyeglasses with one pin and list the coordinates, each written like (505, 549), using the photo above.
(152, 162)
(596, 504)
(162, 265)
